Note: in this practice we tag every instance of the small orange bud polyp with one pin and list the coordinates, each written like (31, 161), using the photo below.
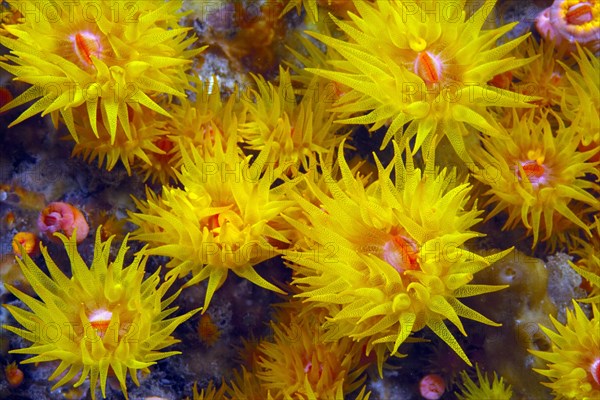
(432, 387)
(26, 239)
(10, 219)
(208, 331)
(14, 376)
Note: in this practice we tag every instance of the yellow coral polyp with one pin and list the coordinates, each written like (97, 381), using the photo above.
(102, 320)
(219, 221)
(310, 6)
(495, 389)
(246, 385)
(573, 361)
(195, 122)
(97, 62)
(582, 108)
(209, 393)
(588, 265)
(389, 259)
(146, 127)
(544, 77)
(406, 64)
(299, 355)
(537, 175)
(297, 131)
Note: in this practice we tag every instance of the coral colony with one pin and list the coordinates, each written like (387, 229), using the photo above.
(300, 199)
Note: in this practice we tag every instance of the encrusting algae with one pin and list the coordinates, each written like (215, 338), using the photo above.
(367, 165)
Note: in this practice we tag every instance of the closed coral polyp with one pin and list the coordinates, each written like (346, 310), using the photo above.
(63, 217)
(26, 239)
(432, 387)
(14, 376)
(567, 22)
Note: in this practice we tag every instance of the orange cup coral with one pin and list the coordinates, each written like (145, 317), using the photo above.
(96, 58)
(389, 259)
(573, 363)
(538, 176)
(103, 319)
(62, 217)
(423, 73)
(219, 220)
(300, 355)
(567, 22)
(26, 239)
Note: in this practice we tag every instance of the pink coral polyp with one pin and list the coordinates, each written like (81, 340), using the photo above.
(567, 22)
(63, 217)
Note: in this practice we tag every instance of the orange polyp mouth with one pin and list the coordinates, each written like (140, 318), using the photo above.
(401, 253)
(533, 169)
(166, 145)
(213, 222)
(595, 370)
(428, 67)
(52, 218)
(213, 225)
(100, 320)
(555, 78)
(579, 14)
(86, 45)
